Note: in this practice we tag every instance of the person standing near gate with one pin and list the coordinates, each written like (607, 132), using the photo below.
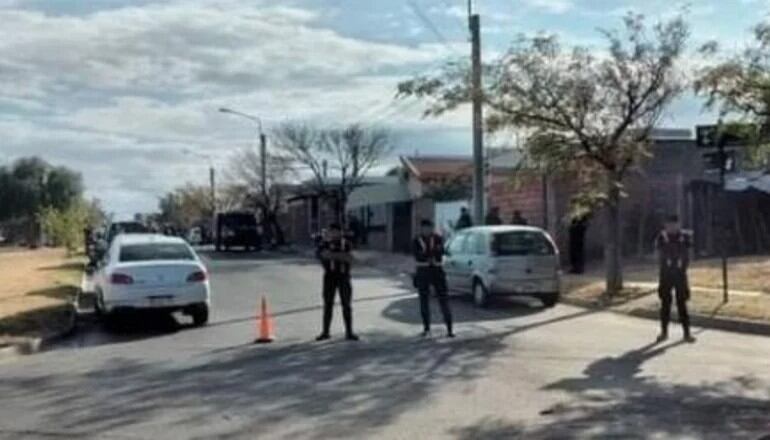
(335, 255)
(428, 248)
(673, 246)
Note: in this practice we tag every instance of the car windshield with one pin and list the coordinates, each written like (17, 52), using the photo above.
(523, 243)
(155, 251)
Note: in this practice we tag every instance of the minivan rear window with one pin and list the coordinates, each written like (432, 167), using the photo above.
(522, 243)
(155, 251)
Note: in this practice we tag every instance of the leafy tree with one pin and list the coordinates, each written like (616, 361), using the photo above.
(739, 84)
(64, 227)
(586, 111)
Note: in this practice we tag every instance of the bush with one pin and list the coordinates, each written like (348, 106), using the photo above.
(65, 227)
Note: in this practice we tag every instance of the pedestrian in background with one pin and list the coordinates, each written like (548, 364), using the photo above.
(673, 246)
(518, 219)
(577, 234)
(336, 258)
(428, 250)
(465, 220)
(493, 217)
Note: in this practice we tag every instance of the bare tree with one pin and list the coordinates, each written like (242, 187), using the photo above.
(586, 111)
(347, 153)
(250, 189)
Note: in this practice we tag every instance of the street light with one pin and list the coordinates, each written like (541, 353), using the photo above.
(262, 144)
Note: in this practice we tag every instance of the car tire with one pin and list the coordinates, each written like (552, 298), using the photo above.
(200, 315)
(480, 294)
(549, 300)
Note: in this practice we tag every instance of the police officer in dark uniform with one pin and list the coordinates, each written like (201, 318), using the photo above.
(428, 248)
(673, 246)
(336, 258)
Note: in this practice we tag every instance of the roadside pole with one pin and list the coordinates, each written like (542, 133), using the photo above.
(263, 162)
(723, 207)
(474, 22)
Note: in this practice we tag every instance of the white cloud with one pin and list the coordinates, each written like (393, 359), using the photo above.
(552, 6)
(119, 93)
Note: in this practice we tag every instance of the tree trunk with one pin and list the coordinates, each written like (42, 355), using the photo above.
(612, 247)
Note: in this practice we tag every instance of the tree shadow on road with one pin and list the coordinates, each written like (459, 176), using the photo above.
(407, 310)
(612, 399)
(307, 390)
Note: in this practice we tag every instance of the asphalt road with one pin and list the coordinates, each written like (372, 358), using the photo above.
(515, 371)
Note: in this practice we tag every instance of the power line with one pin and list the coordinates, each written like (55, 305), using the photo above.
(462, 25)
(429, 24)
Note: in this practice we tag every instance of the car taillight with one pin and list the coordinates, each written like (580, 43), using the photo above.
(196, 277)
(121, 278)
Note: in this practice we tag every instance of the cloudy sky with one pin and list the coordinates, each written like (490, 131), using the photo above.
(119, 89)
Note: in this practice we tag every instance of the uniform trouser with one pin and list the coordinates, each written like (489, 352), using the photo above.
(332, 284)
(675, 280)
(426, 278)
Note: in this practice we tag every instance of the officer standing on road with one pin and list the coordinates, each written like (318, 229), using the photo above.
(428, 250)
(335, 255)
(673, 246)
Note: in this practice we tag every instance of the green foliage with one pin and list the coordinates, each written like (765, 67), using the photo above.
(739, 84)
(30, 184)
(64, 227)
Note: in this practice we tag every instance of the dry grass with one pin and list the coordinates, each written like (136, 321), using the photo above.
(35, 287)
(748, 274)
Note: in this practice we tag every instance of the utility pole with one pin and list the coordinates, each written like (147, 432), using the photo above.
(723, 206)
(263, 162)
(213, 184)
(474, 22)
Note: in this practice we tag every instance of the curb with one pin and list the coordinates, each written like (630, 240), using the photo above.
(22, 346)
(696, 320)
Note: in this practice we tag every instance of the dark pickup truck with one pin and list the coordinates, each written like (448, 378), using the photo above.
(237, 229)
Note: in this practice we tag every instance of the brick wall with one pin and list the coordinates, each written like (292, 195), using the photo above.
(525, 194)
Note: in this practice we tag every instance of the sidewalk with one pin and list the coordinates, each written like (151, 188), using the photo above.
(747, 311)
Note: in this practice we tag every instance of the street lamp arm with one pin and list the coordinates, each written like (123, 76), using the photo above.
(243, 115)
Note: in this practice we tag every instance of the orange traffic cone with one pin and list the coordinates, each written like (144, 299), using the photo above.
(265, 325)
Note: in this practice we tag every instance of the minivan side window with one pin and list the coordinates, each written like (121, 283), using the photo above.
(523, 243)
(476, 244)
(457, 244)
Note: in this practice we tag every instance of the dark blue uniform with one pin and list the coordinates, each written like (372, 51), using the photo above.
(674, 259)
(336, 278)
(429, 253)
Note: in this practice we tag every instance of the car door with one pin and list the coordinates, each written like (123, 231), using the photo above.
(452, 259)
(472, 258)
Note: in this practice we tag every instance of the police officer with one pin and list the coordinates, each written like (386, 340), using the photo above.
(428, 248)
(673, 246)
(335, 255)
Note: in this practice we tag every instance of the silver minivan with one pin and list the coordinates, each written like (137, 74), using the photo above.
(487, 261)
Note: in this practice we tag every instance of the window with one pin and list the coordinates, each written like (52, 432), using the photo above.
(476, 244)
(155, 251)
(457, 244)
(523, 243)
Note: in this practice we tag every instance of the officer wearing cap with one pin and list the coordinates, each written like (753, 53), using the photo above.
(334, 251)
(673, 246)
(428, 249)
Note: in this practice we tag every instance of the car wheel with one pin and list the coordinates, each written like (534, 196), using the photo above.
(549, 300)
(200, 315)
(480, 294)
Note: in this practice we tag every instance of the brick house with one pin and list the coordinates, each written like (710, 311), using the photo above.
(658, 187)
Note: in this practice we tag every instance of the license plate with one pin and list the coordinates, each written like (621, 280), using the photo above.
(159, 302)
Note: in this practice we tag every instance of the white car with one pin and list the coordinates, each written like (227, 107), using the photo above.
(490, 261)
(152, 272)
